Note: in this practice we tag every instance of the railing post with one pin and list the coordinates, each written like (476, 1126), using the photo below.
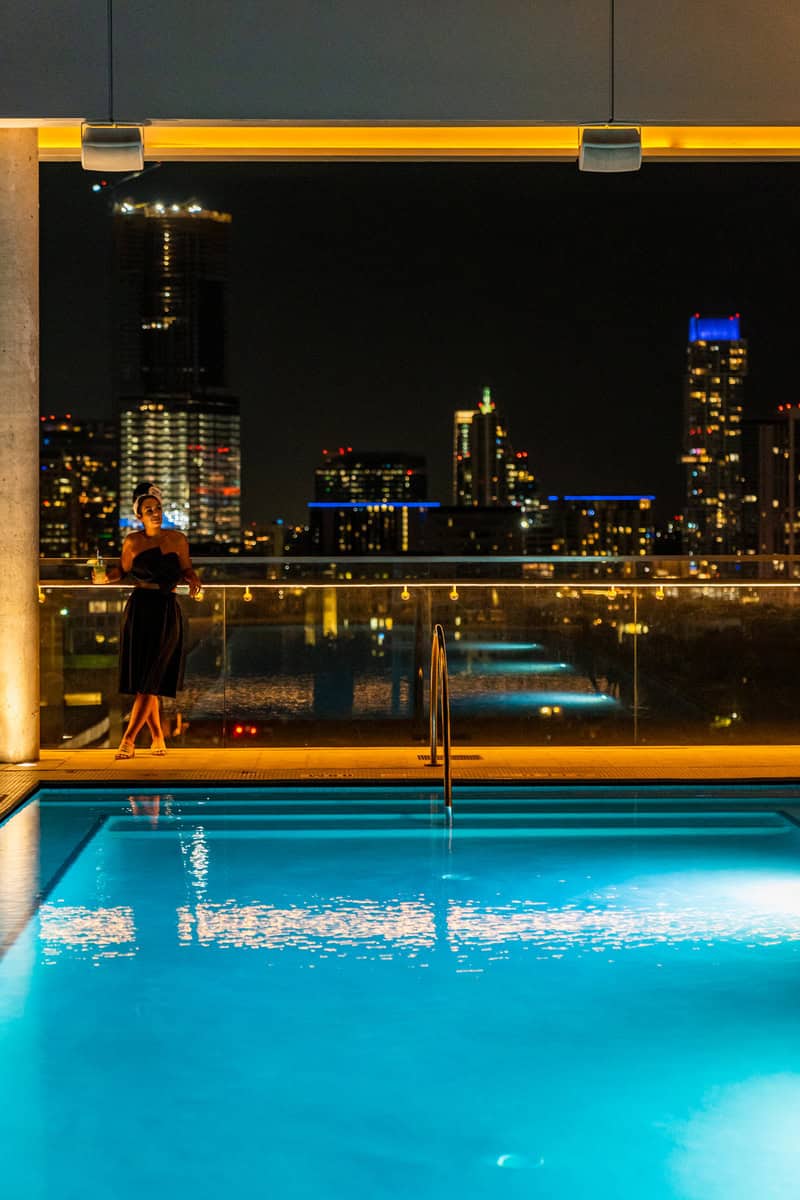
(635, 666)
(224, 666)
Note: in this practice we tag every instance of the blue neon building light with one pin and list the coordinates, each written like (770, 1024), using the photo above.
(591, 499)
(714, 329)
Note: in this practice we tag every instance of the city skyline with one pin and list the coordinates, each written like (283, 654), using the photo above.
(369, 303)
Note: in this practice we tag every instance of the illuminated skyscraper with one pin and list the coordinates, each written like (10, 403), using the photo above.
(79, 481)
(462, 465)
(190, 448)
(368, 502)
(522, 487)
(370, 475)
(487, 473)
(179, 424)
(712, 456)
(489, 451)
(595, 525)
(777, 446)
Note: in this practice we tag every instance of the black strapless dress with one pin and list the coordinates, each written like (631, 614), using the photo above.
(151, 641)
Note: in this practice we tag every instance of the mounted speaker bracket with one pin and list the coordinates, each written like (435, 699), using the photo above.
(110, 147)
(610, 148)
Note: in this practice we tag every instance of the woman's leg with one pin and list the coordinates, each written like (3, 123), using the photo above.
(154, 717)
(154, 722)
(138, 718)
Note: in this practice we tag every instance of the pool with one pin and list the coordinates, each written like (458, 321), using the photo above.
(329, 993)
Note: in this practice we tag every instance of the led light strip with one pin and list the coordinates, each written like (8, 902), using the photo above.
(546, 143)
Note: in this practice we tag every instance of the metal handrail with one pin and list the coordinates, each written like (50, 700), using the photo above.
(440, 710)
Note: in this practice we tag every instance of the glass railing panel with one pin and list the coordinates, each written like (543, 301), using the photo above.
(320, 665)
(538, 665)
(197, 716)
(81, 706)
(719, 664)
(340, 662)
(347, 664)
(79, 632)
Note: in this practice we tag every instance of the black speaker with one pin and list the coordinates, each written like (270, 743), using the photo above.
(610, 149)
(109, 148)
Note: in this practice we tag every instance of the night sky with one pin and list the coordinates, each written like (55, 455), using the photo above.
(370, 301)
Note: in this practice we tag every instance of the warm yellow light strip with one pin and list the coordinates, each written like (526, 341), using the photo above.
(721, 141)
(242, 143)
(619, 585)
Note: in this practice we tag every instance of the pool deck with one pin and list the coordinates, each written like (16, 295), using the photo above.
(471, 764)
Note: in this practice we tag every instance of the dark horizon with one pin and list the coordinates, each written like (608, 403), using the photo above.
(369, 301)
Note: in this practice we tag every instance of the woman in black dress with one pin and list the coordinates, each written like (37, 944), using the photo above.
(151, 642)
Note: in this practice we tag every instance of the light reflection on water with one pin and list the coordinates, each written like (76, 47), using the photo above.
(19, 869)
(570, 928)
(413, 925)
(274, 696)
(97, 932)
(503, 698)
(410, 926)
(197, 856)
(477, 668)
(381, 696)
(497, 647)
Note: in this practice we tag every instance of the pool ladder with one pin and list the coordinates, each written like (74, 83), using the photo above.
(440, 711)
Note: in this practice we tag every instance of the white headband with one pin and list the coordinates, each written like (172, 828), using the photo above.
(151, 491)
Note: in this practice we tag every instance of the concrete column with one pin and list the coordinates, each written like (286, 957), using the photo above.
(19, 445)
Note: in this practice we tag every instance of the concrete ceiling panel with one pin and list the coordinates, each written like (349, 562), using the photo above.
(362, 60)
(690, 62)
(54, 60)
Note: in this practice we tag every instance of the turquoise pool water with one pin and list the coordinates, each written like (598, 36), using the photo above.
(323, 994)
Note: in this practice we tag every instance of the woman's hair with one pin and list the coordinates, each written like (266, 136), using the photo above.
(140, 494)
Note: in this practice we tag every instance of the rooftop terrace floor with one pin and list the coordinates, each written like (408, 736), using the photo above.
(473, 764)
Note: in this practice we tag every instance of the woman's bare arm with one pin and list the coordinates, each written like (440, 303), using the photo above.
(115, 574)
(188, 571)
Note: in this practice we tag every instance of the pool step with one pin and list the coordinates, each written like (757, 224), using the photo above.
(226, 823)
